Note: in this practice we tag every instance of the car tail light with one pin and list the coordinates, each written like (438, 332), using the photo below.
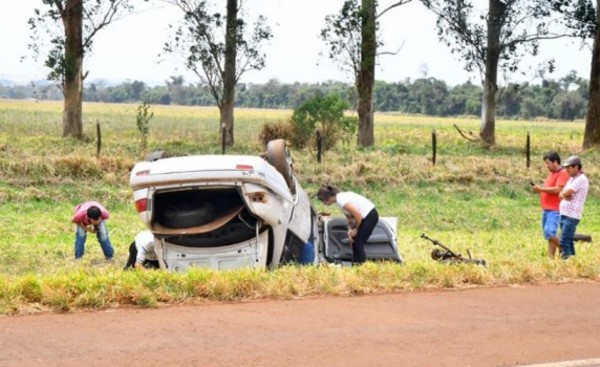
(258, 197)
(244, 167)
(141, 205)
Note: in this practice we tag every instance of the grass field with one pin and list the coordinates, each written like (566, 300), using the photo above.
(472, 198)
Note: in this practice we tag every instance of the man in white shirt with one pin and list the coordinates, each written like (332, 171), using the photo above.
(573, 197)
(141, 252)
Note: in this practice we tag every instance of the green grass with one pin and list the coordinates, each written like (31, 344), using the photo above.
(473, 199)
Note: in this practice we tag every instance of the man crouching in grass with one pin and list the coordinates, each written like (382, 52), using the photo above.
(91, 216)
(141, 252)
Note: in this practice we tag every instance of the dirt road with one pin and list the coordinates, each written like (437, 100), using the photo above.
(479, 327)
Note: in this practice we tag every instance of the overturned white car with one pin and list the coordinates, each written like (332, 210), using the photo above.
(232, 211)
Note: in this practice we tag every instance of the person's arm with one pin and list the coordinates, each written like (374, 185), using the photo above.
(78, 220)
(566, 194)
(353, 210)
(548, 190)
(563, 179)
(78, 216)
(141, 257)
(561, 182)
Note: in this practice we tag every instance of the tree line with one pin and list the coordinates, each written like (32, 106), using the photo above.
(561, 99)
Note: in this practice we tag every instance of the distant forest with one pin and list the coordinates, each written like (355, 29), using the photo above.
(562, 99)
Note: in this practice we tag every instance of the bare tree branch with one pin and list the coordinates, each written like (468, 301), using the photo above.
(402, 2)
(469, 135)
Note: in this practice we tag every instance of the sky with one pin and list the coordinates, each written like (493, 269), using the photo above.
(129, 48)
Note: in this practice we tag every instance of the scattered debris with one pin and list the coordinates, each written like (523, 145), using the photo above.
(446, 255)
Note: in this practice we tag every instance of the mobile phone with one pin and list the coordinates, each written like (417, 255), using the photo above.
(531, 183)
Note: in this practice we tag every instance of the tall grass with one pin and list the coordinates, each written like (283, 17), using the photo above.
(473, 199)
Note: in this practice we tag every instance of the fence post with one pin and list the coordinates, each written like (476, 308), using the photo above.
(434, 146)
(223, 138)
(319, 147)
(99, 141)
(528, 149)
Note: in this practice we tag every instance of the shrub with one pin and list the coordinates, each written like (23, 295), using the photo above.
(324, 114)
(276, 130)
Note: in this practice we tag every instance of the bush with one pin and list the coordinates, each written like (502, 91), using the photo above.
(324, 114)
(276, 130)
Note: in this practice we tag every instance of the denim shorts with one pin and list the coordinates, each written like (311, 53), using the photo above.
(550, 223)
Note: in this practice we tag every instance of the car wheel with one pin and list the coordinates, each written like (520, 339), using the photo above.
(156, 155)
(278, 155)
(177, 217)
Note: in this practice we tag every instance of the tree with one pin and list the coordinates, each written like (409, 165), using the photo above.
(351, 39)
(496, 38)
(219, 62)
(71, 26)
(591, 136)
(583, 20)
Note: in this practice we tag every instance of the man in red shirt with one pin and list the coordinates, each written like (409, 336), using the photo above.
(91, 216)
(550, 200)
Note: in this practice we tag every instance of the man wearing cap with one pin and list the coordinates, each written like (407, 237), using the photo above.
(571, 205)
(556, 180)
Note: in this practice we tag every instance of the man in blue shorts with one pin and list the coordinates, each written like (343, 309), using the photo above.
(550, 200)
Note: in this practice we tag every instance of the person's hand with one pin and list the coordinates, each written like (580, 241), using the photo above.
(352, 233)
(90, 228)
(565, 195)
(535, 188)
(138, 265)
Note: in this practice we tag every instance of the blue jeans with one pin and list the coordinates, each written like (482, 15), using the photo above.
(568, 226)
(362, 236)
(550, 223)
(308, 254)
(101, 234)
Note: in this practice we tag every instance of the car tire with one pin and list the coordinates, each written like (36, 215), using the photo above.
(278, 155)
(177, 217)
(156, 155)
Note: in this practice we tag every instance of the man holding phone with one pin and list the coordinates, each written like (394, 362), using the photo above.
(550, 200)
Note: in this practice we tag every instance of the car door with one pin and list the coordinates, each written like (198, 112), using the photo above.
(382, 244)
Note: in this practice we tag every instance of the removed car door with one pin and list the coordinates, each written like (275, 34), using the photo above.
(382, 244)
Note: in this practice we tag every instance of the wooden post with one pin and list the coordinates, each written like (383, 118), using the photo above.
(99, 142)
(223, 143)
(528, 150)
(319, 147)
(434, 146)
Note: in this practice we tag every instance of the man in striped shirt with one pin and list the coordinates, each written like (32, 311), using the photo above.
(571, 205)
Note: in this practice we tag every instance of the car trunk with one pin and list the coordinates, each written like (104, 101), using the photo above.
(382, 244)
(203, 217)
